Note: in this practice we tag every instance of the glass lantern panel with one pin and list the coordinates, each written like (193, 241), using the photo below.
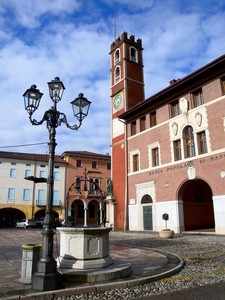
(80, 107)
(56, 89)
(32, 99)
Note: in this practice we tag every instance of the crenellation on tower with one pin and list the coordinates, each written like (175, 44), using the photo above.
(124, 38)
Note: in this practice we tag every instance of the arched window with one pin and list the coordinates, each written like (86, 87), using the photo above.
(189, 144)
(117, 74)
(133, 54)
(117, 56)
(146, 199)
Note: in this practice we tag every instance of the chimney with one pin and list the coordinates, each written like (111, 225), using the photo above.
(172, 81)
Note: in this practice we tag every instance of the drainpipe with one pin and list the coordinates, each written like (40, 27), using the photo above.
(126, 216)
(34, 188)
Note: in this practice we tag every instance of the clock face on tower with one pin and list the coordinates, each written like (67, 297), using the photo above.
(118, 102)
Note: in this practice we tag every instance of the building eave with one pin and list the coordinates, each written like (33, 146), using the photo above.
(177, 89)
(29, 157)
(86, 154)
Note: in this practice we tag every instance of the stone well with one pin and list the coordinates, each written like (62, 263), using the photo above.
(84, 248)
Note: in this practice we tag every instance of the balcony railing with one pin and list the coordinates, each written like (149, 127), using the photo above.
(43, 203)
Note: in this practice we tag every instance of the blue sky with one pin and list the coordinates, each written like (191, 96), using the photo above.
(40, 40)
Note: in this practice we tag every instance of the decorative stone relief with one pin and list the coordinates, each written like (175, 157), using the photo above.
(222, 174)
(92, 245)
(175, 128)
(183, 105)
(191, 172)
(198, 118)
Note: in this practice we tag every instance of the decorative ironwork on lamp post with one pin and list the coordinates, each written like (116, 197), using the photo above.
(47, 278)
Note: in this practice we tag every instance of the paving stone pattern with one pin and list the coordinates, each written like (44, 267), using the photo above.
(202, 277)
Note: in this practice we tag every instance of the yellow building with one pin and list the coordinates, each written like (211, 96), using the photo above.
(21, 198)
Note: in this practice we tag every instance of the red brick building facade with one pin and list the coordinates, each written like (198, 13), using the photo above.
(171, 147)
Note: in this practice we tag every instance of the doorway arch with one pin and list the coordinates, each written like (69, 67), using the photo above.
(197, 205)
(146, 202)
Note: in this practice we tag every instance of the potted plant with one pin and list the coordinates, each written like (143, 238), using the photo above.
(166, 233)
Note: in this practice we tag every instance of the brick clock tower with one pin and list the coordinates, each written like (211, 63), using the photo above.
(127, 90)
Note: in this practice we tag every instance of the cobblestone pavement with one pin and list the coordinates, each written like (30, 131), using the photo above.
(203, 273)
(204, 256)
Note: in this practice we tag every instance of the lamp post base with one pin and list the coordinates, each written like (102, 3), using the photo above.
(46, 282)
(46, 278)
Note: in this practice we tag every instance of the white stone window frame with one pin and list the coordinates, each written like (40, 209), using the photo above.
(207, 141)
(180, 138)
(116, 60)
(132, 154)
(195, 141)
(178, 124)
(117, 78)
(131, 56)
(150, 148)
(195, 134)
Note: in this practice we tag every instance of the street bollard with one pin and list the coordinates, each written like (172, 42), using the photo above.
(30, 257)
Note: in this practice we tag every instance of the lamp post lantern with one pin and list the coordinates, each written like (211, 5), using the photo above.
(47, 278)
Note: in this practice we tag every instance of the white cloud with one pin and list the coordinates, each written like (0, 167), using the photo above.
(28, 13)
(71, 39)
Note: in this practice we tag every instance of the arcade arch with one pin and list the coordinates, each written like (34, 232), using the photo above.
(9, 216)
(40, 214)
(198, 212)
(91, 213)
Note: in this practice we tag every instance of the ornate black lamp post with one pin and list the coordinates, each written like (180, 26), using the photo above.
(47, 278)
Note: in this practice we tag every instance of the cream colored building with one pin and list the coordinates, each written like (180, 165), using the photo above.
(21, 198)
